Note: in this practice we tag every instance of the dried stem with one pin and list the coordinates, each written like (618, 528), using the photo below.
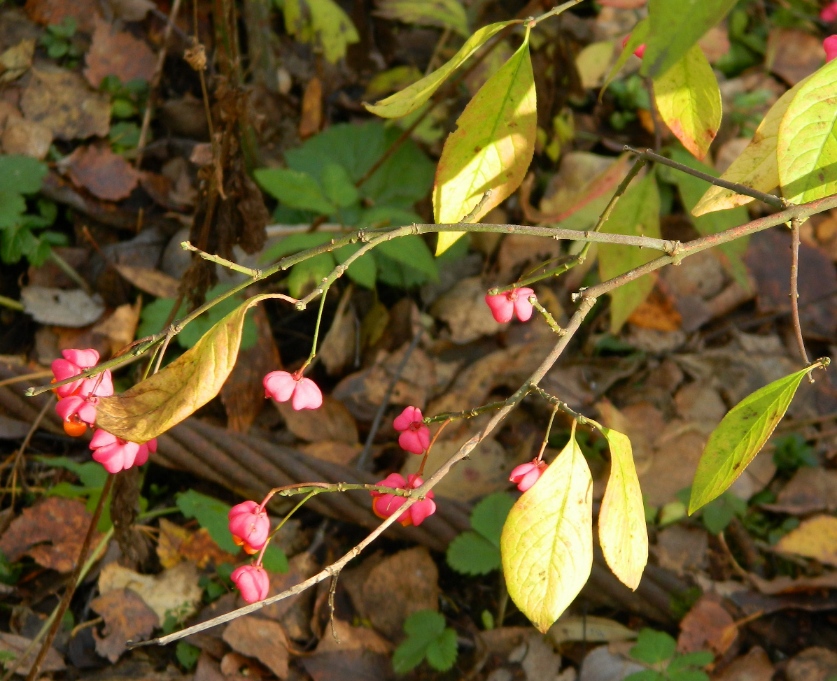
(794, 291)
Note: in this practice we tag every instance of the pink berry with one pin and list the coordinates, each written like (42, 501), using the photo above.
(415, 435)
(829, 12)
(527, 474)
(639, 51)
(384, 504)
(252, 581)
(249, 525)
(115, 454)
(73, 363)
(283, 386)
(510, 303)
(830, 47)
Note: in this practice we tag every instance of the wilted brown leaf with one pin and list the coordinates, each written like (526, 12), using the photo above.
(175, 589)
(397, 587)
(15, 61)
(177, 544)
(22, 136)
(51, 532)
(464, 311)
(793, 54)
(119, 327)
(116, 53)
(332, 421)
(63, 102)
(158, 284)
(311, 118)
(127, 618)
(707, 624)
(103, 173)
(18, 645)
(809, 490)
(46, 12)
(73, 308)
(813, 664)
(264, 640)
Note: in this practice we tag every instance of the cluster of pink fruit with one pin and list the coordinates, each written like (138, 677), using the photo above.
(77, 403)
(248, 521)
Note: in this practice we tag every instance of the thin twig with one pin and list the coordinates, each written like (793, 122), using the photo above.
(769, 199)
(794, 291)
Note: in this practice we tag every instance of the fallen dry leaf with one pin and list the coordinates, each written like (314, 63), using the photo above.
(17, 645)
(158, 284)
(173, 590)
(261, 639)
(73, 308)
(656, 312)
(808, 491)
(815, 538)
(347, 637)
(754, 666)
(588, 628)
(63, 102)
(339, 346)
(793, 54)
(331, 450)
(784, 585)
(464, 311)
(16, 60)
(46, 12)
(22, 136)
(131, 10)
(116, 53)
(311, 118)
(127, 618)
(813, 664)
(332, 421)
(352, 665)
(100, 171)
(682, 549)
(398, 586)
(120, 327)
(50, 532)
(177, 544)
(707, 624)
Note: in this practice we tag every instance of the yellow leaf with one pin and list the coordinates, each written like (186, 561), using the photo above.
(815, 538)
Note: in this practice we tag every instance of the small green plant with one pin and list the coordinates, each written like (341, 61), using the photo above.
(126, 98)
(187, 655)
(630, 95)
(792, 452)
(332, 177)
(477, 551)
(21, 177)
(715, 516)
(58, 40)
(658, 650)
(427, 639)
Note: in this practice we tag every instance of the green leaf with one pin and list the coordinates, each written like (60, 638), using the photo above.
(646, 675)
(637, 213)
(638, 36)
(211, 514)
(294, 189)
(699, 658)
(21, 174)
(718, 513)
(442, 13)
(757, 166)
(622, 532)
(166, 398)
(472, 554)
(12, 207)
(491, 149)
(547, 541)
(187, 654)
(653, 647)
(691, 189)
(410, 251)
(490, 514)
(807, 146)
(274, 559)
(362, 271)
(192, 333)
(338, 186)
(441, 653)
(321, 21)
(412, 97)
(689, 101)
(741, 435)
(15, 242)
(423, 628)
(675, 27)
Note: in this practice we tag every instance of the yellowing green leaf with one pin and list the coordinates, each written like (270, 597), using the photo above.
(547, 541)
(442, 13)
(689, 101)
(412, 97)
(675, 27)
(593, 61)
(622, 531)
(321, 21)
(815, 538)
(637, 213)
(756, 167)
(491, 148)
(807, 147)
(741, 435)
(178, 390)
